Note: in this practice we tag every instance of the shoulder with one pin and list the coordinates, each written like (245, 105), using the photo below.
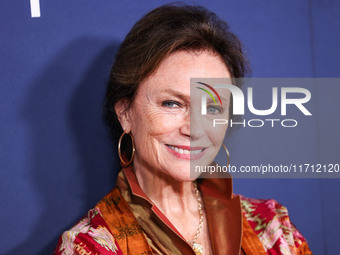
(271, 223)
(89, 236)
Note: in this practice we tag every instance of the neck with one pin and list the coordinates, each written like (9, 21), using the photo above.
(171, 196)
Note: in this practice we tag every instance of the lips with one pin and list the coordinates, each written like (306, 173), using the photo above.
(186, 152)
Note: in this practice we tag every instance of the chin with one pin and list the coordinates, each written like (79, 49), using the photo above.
(183, 174)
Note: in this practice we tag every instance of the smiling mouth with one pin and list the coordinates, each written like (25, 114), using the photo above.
(186, 151)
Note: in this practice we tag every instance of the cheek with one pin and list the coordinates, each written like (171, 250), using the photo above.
(153, 130)
(152, 124)
(216, 135)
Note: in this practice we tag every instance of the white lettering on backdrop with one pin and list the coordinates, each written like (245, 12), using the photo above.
(35, 8)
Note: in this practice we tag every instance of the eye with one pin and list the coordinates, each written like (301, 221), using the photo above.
(171, 104)
(212, 109)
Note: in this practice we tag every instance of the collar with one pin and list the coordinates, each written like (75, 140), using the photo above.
(223, 210)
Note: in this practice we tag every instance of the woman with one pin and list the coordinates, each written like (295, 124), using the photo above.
(157, 207)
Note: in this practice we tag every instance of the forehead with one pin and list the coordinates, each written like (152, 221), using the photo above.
(176, 70)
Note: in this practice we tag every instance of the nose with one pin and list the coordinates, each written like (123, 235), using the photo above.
(192, 126)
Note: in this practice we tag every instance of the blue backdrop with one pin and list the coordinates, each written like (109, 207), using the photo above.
(56, 158)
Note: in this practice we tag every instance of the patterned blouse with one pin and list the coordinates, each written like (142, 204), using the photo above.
(126, 222)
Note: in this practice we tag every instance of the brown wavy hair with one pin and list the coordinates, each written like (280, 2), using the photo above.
(164, 30)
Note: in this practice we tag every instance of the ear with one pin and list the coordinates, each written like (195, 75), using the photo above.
(122, 112)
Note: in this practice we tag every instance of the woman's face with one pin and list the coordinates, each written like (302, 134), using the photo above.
(165, 119)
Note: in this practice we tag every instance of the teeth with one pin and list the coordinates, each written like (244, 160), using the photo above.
(181, 151)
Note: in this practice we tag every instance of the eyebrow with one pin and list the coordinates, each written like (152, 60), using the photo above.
(175, 93)
(222, 98)
(185, 97)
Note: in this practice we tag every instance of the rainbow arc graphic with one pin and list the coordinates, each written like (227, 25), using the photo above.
(209, 93)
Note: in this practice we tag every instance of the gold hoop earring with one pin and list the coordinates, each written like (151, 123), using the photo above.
(119, 149)
(228, 156)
